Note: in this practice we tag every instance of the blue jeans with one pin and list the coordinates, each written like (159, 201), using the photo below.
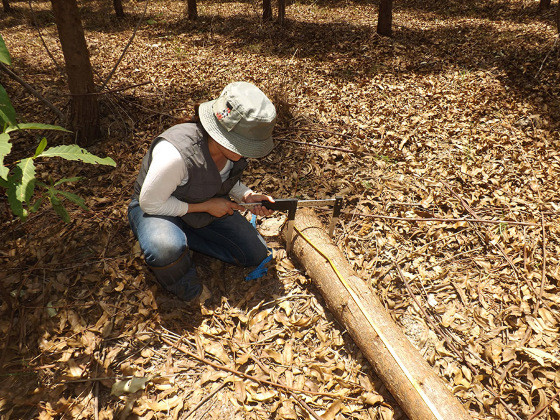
(166, 240)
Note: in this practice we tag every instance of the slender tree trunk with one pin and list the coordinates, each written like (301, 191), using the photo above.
(385, 19)
(558, 18)
(192, 11)
(281, 11)
(267, 10)
(84, 110)
(544, 4)
(6, 6)
(117, 4)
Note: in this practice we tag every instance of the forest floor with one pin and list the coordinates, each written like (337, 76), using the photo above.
(455, 117)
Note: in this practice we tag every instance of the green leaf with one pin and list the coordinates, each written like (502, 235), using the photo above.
(25, 173)
(73, 198)
(36, 206)
(75, 152)
(41, 147)
(4, 53)
(35, 126)
(7, 111)
(65, 180)
(15, 204)
(59, 208)
(51, 310)
(5, 148)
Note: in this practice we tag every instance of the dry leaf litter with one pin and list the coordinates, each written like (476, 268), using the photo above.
(456, 117)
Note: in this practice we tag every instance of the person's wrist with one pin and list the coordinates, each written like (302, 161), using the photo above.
(247, 195)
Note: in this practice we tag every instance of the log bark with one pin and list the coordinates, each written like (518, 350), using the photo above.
(420, 392)
(84, 109)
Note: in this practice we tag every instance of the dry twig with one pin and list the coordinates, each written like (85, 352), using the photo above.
(543, 278)
(539, 412)
(125, 47)
(205, 399)
(58, 66)
(439, 219)
(250, 377)
(320, 146)
(451, 345)
(34, 92)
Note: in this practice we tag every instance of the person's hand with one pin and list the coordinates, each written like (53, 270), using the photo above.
(219, 207)
(257, 198)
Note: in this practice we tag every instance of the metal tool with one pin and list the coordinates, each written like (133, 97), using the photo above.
(291, 204)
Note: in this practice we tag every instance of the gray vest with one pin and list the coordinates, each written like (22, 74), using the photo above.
(204, 181)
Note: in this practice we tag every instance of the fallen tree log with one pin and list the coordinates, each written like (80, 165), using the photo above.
(420, 392)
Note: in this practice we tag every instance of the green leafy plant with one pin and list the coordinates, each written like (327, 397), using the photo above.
(20, 181)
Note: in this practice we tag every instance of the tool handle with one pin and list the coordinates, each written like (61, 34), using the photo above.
(285, 204)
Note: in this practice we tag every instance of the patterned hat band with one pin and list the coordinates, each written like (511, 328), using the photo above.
(225, 114)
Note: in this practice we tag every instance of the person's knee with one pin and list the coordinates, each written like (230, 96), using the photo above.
(163, 251)
(256, 255)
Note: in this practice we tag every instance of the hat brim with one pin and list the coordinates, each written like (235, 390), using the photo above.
(232, 141)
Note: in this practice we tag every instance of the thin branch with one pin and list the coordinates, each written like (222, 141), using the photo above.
(96, 401)
(126, 47)
(538, 413)
(451, 345)
(204, 400)
(302, 403)
(340, 149)
(439, 219)
(318, 130)
(502, 251)
(543, 278)
(246, 376)
(551, 49)
(305, 406)
(113, 90)
(27, 87)
(58, 66)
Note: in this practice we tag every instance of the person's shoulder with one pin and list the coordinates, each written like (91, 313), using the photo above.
(186, 128)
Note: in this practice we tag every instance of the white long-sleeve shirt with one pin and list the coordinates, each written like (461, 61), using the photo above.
(167, 171)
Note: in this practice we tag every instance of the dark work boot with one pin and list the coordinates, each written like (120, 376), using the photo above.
(179, 278)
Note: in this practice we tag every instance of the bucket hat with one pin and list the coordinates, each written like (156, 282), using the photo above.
(241, 120)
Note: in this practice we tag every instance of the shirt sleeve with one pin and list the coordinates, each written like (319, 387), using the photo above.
(238, 191)
(166, 172)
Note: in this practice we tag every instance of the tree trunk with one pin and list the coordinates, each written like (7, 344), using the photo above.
(84, 110)
(117, 5)
(558, 18)
(419, 391)
(544, 4)
(6, 6)
(281, 12)
(267, 11)
(385, 19)
(192, 12)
